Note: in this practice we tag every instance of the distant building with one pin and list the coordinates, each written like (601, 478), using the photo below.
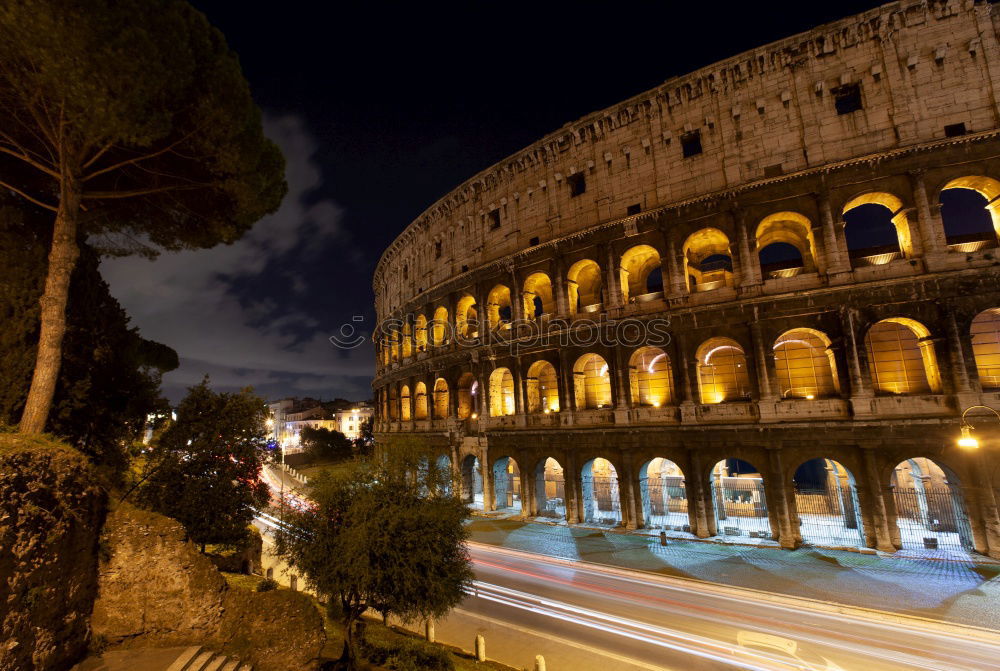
(291, 415)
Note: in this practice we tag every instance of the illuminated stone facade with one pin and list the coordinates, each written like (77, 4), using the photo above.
(813, 225)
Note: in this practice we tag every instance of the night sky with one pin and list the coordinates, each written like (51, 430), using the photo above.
(380, 109)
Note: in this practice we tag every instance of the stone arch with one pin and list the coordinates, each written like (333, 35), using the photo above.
(664, 495)
(584, 286)
(467, 317)
(394, 344)
(592, 382)
(970, 219)
(467, 389)
(498, 308)
(805, 364)
(650, 377)
(738, 499)
(930, 511)
(440, 327)
(501, 393)
(420, 332)
(708, 260)
(985, 332)
(826, 500)
(407, 344)
(542, 388)
(550, 489)
(901, 357)
(638, 267)
(420, 405)
(472, 482)
(785, 245)
(404, 403)
(722, 371)
(393, 403)
(440, 398)
(600, 495)
(538, 297)
(877, 229)
(506, 485)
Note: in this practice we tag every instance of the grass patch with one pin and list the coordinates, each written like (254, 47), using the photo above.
(314, 469)
(241, 581)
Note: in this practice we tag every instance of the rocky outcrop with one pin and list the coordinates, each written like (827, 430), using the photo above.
(51, 510)
(157, 590)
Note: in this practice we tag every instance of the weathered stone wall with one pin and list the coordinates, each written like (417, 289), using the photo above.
(51, 511)
(761, 114)
(156, 590)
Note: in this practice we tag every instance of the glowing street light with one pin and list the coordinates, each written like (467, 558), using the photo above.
(967, 440)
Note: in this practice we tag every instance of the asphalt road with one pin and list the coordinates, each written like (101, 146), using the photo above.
(583, 617)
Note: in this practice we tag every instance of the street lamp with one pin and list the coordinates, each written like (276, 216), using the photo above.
(967, 440)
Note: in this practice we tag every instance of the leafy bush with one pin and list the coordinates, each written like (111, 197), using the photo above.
(408, 655)
(267, 584)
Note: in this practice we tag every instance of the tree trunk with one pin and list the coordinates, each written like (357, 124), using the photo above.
(62, 260)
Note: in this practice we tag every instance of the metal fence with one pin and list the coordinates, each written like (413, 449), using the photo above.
(664, 503)
(740, 507)
(931, 518)
(601, 502)
(551, 497)
(830, 516)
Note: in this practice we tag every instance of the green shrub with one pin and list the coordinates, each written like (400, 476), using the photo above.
(408, 655)
(267, 584)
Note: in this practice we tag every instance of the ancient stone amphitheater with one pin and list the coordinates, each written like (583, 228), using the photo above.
(750, 304)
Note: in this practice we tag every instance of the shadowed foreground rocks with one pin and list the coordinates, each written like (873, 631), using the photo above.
(51, 512)
(157, 590)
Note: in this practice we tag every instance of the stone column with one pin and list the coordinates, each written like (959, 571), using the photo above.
(877, 507)
(780, 492)
(613, 290)
(571, 476)
(629, 492)
(620, 388)
(489, 496)
(688, 394)
(960, 370)
(452, 398)
(929, 223)
(861, 391)
(559, 286)
(835, 248)
(699, 506)
(765, 368)
(674, 282)
(519, 405)
(749, 266)
(527, 480)
(567, 384)
(987, 507)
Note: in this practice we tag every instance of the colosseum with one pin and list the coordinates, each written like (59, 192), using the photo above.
(751, 304)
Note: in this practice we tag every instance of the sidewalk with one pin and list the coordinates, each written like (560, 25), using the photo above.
(953, 591)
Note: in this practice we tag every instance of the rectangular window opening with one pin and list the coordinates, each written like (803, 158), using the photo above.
(847, 98)
(494, 217)
(955, 130)
(691, 143)
(577, 184)
(633, 209)
(533, 241)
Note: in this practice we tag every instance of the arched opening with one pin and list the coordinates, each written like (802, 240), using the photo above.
(592, 382)
(805, 364)
(738, 499)
(420, 407)
(785, 245)
(722, 371)
(501, 393)
(601, 501)
(498, 308)
(420, 332)
(506, 485)
(584, 287)
(543, 388)
(538, 298)
(467, 318)
(467, 389)
(550, 489)
(877, 229)
(708, 259)
(404, 398)
(901, 356)
(443, 474)
(440, 398)
(440, 331)
(649, 377)
(394, 344)
(472, 482)
(664, 496)
(637, 266)
(985, 333)
(930, 512)
(407, 345)
(393, 404)
(970, 213)
(827, 503)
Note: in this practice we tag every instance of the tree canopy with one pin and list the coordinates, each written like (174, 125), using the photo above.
(205, 471)
(131, 122)
(326, 444)
(376, 539)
